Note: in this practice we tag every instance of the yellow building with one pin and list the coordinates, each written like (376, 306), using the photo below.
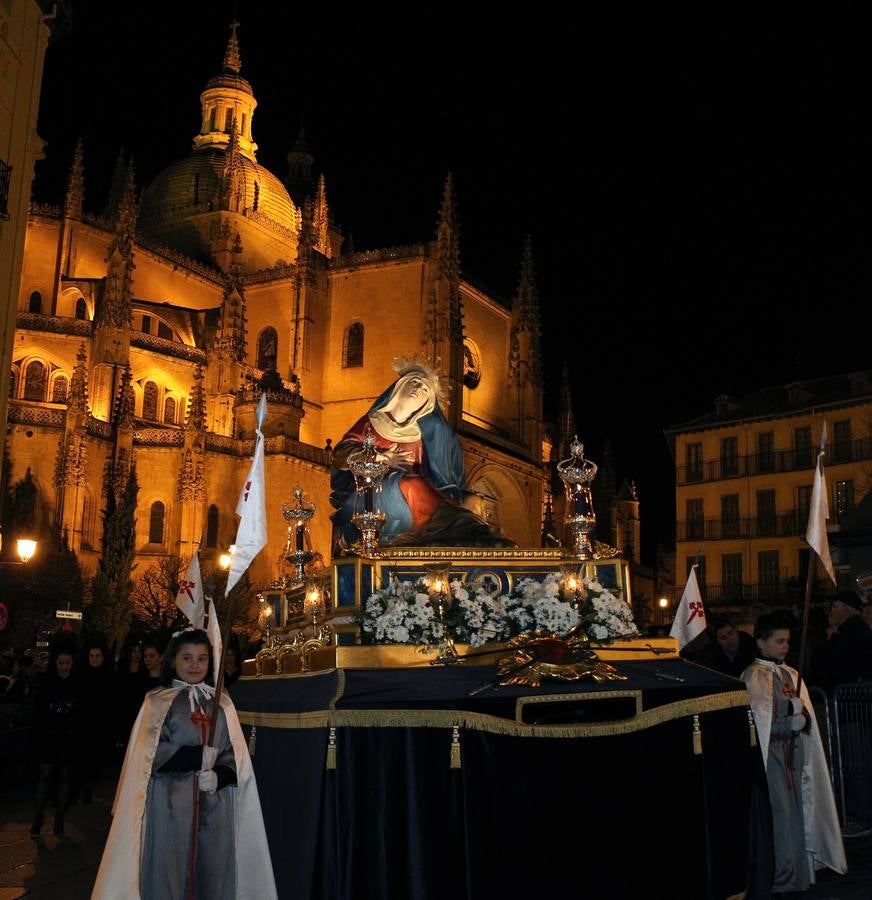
(146, 334)
(26, 26)
(743, 486)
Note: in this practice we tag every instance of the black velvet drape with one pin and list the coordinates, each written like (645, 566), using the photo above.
(638, 814)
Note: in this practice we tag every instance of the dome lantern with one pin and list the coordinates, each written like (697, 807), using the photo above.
(228, 98)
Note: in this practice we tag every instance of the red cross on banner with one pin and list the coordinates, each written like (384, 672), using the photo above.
(697, 610)
(190, 596)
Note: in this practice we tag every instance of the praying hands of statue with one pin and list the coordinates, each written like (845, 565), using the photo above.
(396, 458)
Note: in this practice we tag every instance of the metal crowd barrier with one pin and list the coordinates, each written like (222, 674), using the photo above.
(851, 716)
(821, 705)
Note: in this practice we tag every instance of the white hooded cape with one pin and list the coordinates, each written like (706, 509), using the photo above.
(119, 869)
(823, 834)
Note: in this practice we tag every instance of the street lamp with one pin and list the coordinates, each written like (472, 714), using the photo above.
(26, 548)
(663, 603)
(225, 558)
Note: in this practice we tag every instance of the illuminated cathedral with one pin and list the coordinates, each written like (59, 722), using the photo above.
(146, 335)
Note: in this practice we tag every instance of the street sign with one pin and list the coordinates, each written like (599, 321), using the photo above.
(68, 614)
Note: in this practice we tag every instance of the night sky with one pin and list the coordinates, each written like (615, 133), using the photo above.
(698, 196)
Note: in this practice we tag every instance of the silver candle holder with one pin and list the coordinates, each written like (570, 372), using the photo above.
(298, 515)
(577, 473)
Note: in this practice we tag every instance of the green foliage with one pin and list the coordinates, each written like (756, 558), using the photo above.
(111, 587)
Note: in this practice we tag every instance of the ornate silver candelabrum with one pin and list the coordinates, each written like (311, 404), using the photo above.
(577, 473)
(298, 516)
(369, 473)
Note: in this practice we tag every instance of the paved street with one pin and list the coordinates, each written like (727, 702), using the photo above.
(64, 868)
(48, 866)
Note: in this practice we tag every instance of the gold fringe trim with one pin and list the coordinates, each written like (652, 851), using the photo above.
(752, 728)
(252, 741)
(331, 749)
(455, 747)
(697, 737)
(587, 695)
(435, 718)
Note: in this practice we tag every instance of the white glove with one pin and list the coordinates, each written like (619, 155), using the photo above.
(796, 707)
(797, 723)
(210, 754)
(208, 781)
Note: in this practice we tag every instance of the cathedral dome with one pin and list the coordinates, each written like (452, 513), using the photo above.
(222, 172)
(198, 184)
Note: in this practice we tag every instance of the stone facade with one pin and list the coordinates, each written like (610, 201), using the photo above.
(215, 284)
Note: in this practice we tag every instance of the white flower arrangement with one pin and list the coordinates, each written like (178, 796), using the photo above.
(401, 613)
(404, 612)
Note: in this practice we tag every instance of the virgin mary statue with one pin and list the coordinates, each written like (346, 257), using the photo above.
(423, 492)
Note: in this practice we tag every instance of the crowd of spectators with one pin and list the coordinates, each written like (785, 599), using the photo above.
(66, 711)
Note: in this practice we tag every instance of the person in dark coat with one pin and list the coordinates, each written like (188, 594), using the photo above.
(130, 688)
(232, 662)
(846, 655)
(730, 650)
(55, 733)
(152, 651)
(843, 658)
(95, 685)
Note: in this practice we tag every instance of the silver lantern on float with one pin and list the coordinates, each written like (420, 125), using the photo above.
(368, 517)
(577, 473)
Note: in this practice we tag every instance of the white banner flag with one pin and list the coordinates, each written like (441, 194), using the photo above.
(190, 597)
(819, 512)
(690, 615)
(213, 629)
(251, 509)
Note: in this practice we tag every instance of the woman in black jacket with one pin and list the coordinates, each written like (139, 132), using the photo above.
(55, 734)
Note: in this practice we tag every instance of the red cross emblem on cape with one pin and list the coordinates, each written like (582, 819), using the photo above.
(200, 718)
(187, 587)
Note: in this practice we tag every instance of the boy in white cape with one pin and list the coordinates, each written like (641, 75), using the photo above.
(805, 824)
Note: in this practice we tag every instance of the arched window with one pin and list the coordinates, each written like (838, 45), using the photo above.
(267, 348)
(34, 381)
(471, 364)
(352, 346)
(35, 303)
(13, 382)
(81, 308)
(149, 401)
(256, 194)
(170, 411)
(242, 132)
(156, 523)
(228, 120)
(212, 526)
(59, 389)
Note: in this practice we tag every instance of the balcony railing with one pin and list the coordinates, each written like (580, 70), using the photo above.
(787, 524)
(775, 593)
(29, 321)
(791, 460)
